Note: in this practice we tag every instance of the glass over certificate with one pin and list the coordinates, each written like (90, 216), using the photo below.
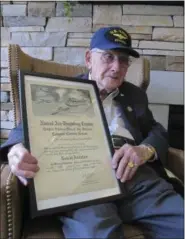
(66, 131)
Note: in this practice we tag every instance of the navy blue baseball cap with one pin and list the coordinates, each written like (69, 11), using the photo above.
(111, 38)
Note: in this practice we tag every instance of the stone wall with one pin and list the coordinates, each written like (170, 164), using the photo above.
(43, 31)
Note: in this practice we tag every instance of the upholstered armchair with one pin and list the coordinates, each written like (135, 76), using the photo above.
(13, 224)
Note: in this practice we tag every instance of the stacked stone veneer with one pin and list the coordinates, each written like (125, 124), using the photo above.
(43, 31)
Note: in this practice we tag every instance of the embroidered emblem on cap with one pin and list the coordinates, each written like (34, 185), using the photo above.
(118, 35)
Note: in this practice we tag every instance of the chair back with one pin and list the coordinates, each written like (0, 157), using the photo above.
(137, 74)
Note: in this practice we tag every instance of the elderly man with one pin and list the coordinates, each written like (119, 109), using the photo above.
(141, 145)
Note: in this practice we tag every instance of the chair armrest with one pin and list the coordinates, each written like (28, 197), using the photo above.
(175, 162)
(11, 214)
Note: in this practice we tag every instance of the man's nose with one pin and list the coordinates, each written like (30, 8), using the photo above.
(116, 64)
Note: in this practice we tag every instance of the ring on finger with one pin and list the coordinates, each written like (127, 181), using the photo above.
(131, 164)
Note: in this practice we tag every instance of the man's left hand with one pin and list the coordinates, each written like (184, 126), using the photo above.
(127, 159)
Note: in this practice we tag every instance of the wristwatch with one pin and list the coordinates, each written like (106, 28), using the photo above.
(150, 154)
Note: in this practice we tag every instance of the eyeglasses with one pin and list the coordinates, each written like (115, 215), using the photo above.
(108, 57)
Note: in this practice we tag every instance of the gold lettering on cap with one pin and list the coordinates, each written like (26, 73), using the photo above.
(120, 34)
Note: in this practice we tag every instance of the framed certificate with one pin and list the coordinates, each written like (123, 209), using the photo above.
(65, 129)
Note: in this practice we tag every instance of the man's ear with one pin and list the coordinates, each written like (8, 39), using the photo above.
(88, 59)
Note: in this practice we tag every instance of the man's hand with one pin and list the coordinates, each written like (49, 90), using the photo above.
(22, 163)
(128, 158)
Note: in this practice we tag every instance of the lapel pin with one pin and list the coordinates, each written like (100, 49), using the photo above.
(122, 94)
(129, 109)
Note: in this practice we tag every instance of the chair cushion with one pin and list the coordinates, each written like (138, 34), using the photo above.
(43, 227)
(139, 73)
(50, 227)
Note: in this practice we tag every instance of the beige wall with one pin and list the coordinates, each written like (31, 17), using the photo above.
(43, 31)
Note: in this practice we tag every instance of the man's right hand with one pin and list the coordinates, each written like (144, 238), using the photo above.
(22, 163)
